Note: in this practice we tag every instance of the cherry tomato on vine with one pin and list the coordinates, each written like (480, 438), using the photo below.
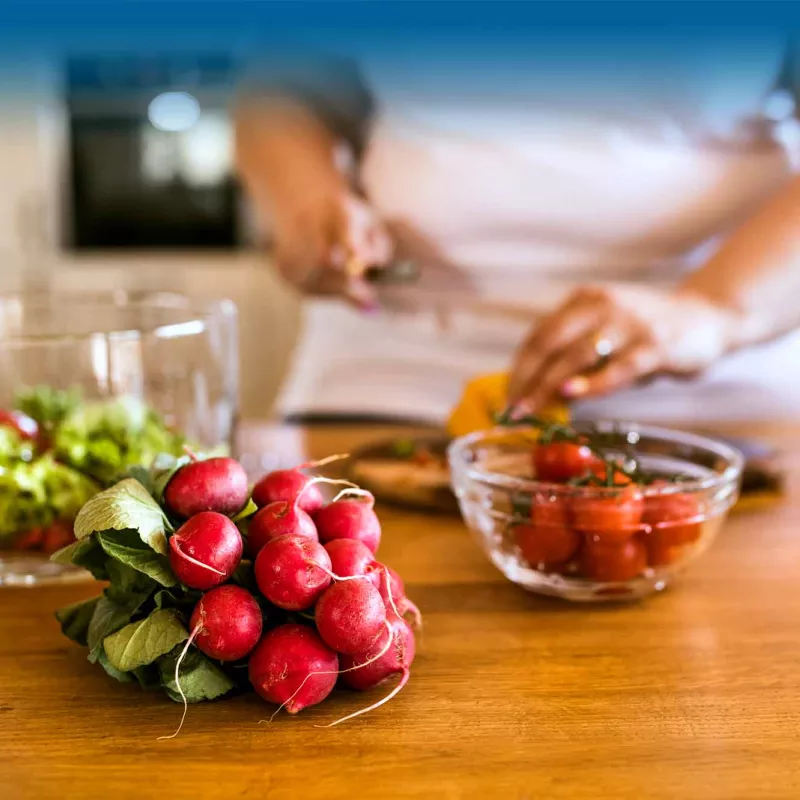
(549, 539)
(675, 519)
(546, 546)
(600, 471)
(609, 517)
(661, 555)
(559, 462)
(610, 563)
(550, 511)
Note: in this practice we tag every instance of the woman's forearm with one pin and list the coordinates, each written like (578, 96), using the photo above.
(280, 146)
(756, 273)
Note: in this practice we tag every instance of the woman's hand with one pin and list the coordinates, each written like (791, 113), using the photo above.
(606, 338)
(325, 235)
(324, 240)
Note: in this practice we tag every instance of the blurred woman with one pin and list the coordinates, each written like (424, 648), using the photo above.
(566, 223)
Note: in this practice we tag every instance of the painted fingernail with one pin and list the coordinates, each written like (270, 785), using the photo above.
(518, 411)
(575, 387)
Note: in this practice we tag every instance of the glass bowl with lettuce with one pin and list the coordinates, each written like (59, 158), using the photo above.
(92, 385)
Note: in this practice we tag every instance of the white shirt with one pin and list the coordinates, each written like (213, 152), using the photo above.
(510, 199)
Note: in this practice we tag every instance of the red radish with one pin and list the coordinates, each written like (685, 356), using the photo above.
(25, 426)
(349, 519)
(286, 485)
(230, 623)
(205, 551)
(393, 593)
(350, 615)
(397, 658)
(279, 519)
(370, 669)
(216, 484)
(292, 572)
(350, 557)
(385, 577)
(291, 665)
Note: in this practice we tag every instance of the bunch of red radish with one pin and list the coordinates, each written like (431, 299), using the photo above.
(332, 611)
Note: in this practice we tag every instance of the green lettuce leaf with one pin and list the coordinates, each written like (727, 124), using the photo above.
(38, 493)
(48, 406)
(13, 447)
(141, 643)
(104, 439)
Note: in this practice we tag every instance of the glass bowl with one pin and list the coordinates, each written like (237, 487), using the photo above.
(112, 379)
(600, 543)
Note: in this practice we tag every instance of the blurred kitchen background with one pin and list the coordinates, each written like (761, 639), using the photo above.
(117, 172)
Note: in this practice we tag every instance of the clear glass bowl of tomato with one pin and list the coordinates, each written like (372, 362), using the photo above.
(615, 538)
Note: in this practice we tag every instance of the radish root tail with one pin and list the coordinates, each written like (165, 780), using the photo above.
(410, 608)
(321, 479)
(199, 563)
(355, 491)
(397, 689)
(416, 614)
(197, 629)
(381, 654)
(336, 577)
(324, 461)
(189, 452)
(388, 580)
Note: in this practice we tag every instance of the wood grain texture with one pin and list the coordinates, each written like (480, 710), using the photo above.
(690, 694)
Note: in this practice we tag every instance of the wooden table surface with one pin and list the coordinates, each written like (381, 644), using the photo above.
(691, 694)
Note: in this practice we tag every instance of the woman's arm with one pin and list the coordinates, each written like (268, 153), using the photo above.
(606, 338)
(289, 123)
(757, 272)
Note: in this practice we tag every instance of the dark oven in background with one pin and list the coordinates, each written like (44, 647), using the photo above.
(151, 153)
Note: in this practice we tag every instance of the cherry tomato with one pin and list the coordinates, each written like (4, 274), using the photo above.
(56, 536)
(30, 540)
(549, 540)
(674, 518)
(600, 470)
(558, 462)
(609, 563)
(25, 426)
(550, 511)
(661, 555)
(609, 518)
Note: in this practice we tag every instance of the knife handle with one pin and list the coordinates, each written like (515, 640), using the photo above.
(395, 273)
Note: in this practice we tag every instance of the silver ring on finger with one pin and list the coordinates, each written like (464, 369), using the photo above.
(603, 346)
